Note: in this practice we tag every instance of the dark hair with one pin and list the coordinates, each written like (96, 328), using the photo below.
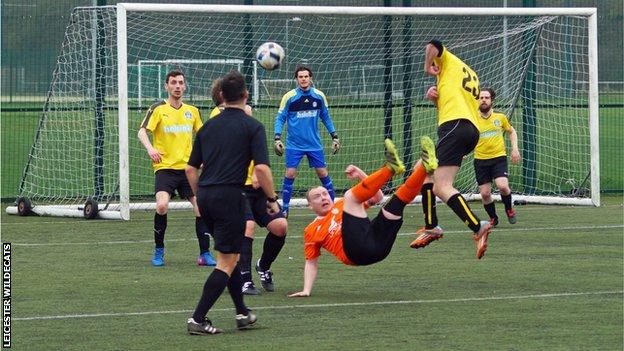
(233, 86)
(215, 90)
(302, 68)
(173, 73)
(491, 91)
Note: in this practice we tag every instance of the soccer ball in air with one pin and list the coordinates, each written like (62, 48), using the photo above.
(270, 55)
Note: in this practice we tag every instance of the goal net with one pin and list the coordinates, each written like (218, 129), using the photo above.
(367, 61)
(150, 77)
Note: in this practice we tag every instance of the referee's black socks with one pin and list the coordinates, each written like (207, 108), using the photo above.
(235, 288)
(458, 204)
(213, 288)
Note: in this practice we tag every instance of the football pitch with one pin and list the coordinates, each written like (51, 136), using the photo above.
(553, 281)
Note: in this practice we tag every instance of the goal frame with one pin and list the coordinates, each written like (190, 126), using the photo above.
(591, 13)
(122, 210)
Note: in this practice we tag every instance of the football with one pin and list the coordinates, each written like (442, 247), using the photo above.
(270, 55)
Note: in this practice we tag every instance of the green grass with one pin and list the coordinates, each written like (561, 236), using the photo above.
(554, 281)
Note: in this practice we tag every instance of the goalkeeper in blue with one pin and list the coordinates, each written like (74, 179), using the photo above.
(301, 109)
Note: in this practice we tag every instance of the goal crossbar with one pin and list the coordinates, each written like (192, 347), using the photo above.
(364, 10)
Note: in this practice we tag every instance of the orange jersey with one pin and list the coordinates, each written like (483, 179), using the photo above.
(326, 232)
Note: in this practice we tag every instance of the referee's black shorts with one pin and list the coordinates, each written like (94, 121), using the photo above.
(256, 209)
(170, 180)
(222, 207)
(456, 139)
(490, 169)
(366, 242)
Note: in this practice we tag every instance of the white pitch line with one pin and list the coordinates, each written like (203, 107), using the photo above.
(324, 305)
(497, 230)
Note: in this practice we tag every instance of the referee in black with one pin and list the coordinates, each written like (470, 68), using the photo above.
(224, 146)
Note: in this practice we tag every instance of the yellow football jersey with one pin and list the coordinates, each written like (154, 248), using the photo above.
(215, 111)
(172, 130)
(491, 139)
(458, 89)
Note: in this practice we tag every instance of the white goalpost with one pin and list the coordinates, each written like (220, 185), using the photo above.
(86, 161)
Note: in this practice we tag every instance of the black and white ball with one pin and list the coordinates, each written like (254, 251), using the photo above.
(270, 55)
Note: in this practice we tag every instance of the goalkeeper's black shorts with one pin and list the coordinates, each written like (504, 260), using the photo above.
(366, 242)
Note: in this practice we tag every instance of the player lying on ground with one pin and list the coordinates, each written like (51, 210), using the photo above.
(343, 228)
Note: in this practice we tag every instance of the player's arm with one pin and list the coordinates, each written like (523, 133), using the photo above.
(192, 175)
(154, 154)
(329, 124)
(309, 277)
(432, 95)
(150, 122)
(262, 171)
(265, 181)
(278, 126)
(513, 137)
(432, 49)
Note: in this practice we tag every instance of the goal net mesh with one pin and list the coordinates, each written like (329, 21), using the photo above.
(369, 67)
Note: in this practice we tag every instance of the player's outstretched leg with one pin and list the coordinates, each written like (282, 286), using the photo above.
(406, 193)
(429, 163)
(393, 161)
(427, 154)
(370, 185)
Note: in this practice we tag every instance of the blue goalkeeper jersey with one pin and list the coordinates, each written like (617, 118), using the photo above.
(301, 109)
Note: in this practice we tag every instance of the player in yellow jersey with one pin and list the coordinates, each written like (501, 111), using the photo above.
(172, 124)
(256, 212)
(490, 159)
(458, 134)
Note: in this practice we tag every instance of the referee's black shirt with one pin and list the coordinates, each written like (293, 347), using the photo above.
(225, 145)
